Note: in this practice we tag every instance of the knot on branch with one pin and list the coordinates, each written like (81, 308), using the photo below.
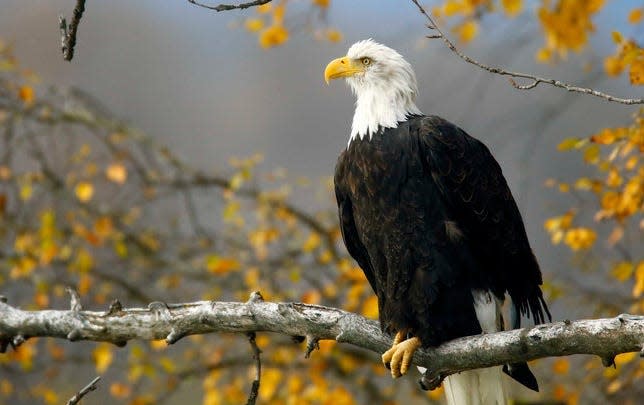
(115, 307)
(160, 310)
(174, 336)
(608, 361)
(74, 300)
(312, 343)
(254, 297)
(430, 382)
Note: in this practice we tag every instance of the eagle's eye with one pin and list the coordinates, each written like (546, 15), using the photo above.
(366, 61)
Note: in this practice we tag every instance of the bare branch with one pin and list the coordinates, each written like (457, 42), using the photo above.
(227, 7)
(535, 79)
(68, 33)
(601, 337)
(254, 391)
(80, 394)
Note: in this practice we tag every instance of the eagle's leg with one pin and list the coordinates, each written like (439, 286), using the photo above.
(398, 358)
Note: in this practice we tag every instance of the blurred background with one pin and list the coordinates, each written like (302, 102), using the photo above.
(183, 155)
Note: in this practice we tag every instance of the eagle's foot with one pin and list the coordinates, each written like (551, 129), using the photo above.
(398, 358)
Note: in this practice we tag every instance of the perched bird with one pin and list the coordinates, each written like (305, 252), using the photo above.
(427, 214)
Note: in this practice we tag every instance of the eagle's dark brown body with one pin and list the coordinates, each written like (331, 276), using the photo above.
(425, 211)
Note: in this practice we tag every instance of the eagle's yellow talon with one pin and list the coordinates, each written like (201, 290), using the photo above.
(398, 358)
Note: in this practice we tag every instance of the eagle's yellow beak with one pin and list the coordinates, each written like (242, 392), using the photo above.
(341, 67)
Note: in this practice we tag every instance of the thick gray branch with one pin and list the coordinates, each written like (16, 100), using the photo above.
(602, 337)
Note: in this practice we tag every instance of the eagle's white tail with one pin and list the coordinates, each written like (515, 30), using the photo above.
(483, 386)
(476, 387)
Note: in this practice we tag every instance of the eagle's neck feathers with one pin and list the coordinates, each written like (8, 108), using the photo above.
(380, 106)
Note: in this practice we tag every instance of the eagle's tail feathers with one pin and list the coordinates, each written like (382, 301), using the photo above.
(476, 387)
(521, 373)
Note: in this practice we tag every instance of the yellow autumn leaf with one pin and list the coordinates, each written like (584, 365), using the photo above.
(636, 73)
(583, 183)
(168, 365)
(254, 24)
(84, 284)
(635, 16)
(370, 307)
(278, 14)
(568, 144)
(120, 390)
(117, 173)
(159, 344)
(230, 210)
(83, 262)
(26, 190)
(604, 137)
(561, 366)
(102, 356)
(580, 238)
(544, 55)
(622, 271)
(41, 300)
(467, 31)
(120, 248)
(84, 191)
(103, 226)
(6, 388)
(221, 265)
(333, 35)
(311, 297)
(613, 66)
(512, 7)
(321, 3)
(591, 153)
(271, 379)
(236, 181)
(617, 37)
(325, 257)
(272, 36)
(312, 242)
(5, 172)
(50, 397)
(26, 94)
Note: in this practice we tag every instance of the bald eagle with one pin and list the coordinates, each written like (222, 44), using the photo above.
(426, 212)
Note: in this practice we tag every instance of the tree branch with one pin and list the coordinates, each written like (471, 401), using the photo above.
(68, 33)
(602, 337)
(227, 7)
(535, 80)
(84, 391)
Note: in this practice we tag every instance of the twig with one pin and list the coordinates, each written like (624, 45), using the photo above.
(535, 79)
(80, 394)
(68, 33)
(254, 391)
(227, 7)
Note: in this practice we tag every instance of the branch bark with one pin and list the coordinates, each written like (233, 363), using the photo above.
(228, 7)
(84, 391)
(601, 337)
(68, 33)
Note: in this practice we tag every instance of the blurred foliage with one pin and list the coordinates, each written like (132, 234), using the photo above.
(87, 200)
(90, 202)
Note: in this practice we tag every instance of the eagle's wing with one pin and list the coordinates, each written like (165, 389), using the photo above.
(473, 187)
(350, 236)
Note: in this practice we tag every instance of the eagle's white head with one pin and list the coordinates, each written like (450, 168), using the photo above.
(384, 84)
